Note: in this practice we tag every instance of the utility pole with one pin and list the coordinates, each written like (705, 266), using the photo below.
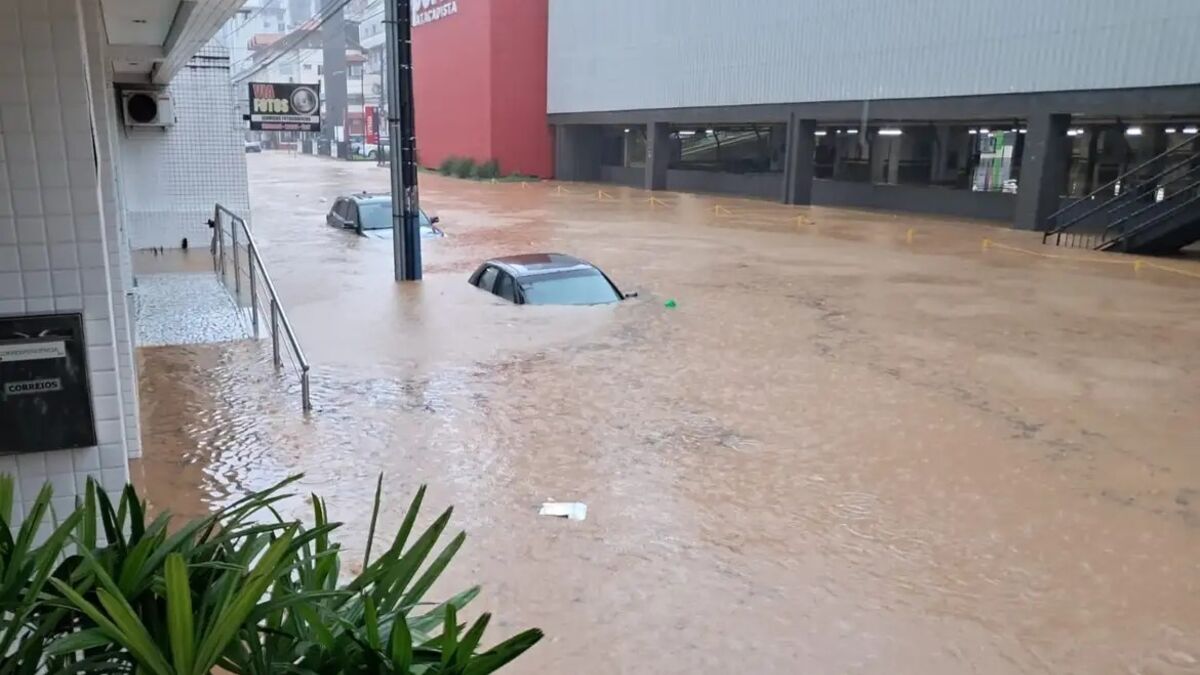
(406, 234)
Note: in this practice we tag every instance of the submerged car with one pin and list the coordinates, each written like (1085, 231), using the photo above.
(371, 215)
(546, 279)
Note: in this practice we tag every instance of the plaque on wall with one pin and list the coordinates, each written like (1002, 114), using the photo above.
(45, 398)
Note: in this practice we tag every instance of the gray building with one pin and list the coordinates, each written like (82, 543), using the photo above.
(986, 110)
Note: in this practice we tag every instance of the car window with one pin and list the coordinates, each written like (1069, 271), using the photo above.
(339, 208)
(582, 287)
(352, 213)
(425, 222)
(505, 287)
(488, 280)
(376, 215)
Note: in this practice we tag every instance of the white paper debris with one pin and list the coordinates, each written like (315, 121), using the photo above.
(571, 510)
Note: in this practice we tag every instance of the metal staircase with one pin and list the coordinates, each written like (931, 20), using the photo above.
(1152, 209)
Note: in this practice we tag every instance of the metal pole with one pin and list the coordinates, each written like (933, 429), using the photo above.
(275, 332)
(406, 239)
(252, 256)
(221, 246)
(237, 270)
(305, 400)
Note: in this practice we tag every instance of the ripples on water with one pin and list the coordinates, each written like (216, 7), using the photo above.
(832, 457)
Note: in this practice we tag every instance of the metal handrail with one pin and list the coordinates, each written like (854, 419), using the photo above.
(1118, 179)
(1159, 217)
(278, 315)
(1149, 184)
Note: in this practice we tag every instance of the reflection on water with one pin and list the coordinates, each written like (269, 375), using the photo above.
(833, 456)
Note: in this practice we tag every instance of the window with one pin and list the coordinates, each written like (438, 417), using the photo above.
(488, 279)
(352, 214)
(341, 209)
(505, 287)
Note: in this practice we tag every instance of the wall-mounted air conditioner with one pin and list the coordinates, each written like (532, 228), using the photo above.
(147, 108)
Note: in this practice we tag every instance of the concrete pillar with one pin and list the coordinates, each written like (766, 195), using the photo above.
(1043, 170)
(798, 161)
(577, 152)
(895, 145)
(658, 155)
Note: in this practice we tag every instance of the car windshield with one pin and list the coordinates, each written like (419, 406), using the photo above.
(579, 287)
(378, 216)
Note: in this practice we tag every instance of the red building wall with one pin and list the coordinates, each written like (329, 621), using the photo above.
(452, 84)
(521, 138)
(479, 78)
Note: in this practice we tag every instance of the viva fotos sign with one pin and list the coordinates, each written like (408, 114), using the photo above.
(428, 11)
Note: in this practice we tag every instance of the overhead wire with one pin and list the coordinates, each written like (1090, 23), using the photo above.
(296, 38)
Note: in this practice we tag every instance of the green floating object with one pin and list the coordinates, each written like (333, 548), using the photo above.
(670, 304)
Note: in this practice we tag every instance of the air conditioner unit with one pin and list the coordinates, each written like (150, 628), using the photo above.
(147, 108)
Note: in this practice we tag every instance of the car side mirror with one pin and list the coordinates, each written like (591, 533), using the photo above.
(434, 220)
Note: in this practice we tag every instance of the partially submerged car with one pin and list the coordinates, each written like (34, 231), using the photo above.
(370, 215)
(546, 279)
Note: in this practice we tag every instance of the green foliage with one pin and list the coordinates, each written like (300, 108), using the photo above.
(243, 589)
(464, 167)
(447, 166)
(489, 169)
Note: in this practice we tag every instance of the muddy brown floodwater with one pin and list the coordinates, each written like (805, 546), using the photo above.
(843, 452)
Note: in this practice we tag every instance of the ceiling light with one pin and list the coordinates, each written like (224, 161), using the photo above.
(890, 132)
(972, 131)
(1170, 130)
(852, 131)
(709, 131)
(983, 131)
(1024, 131)
(1012, 130)
(626, 130)
(1133, 131)
(820, 133)
(839, 131)
(686, 134)
(1190, 130)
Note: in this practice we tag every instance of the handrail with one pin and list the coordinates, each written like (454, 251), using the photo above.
(1156, 219)
(278, 315)
(1107, 205)
(1154, 204)
(1118, 179)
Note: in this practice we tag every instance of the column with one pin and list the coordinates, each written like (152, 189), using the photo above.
(798, 161)
(577, 152)
(658, 155)
(1043, 170)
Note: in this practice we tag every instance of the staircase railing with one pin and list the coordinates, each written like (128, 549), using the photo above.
(1124, 208)
(252, 284)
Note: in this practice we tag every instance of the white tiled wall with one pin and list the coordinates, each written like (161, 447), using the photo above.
(117, 245)
(180, 172)
(55, 253)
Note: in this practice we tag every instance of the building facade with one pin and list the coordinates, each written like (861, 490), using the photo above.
(76, 177)
(976, 110)
(479, 81)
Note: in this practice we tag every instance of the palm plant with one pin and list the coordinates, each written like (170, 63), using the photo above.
(243, 589)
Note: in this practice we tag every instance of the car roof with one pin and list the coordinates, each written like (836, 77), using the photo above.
(532, 264)
(368, 197)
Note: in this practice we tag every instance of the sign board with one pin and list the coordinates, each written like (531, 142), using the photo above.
(428, 11)
(371, 124)
(45, 398)
(285, 106)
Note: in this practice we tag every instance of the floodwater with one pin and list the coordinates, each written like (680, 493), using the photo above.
(861, 442)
